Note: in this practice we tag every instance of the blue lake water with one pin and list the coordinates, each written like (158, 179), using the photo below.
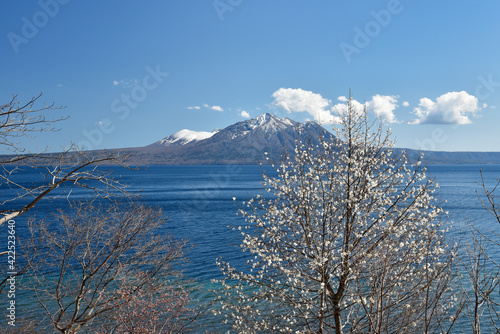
(197, 200)
(198, 203)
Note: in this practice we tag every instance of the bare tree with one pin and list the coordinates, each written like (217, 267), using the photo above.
(349, 241)
(156, 310)
(93, 261)
(58, 173)
(72, 166)
(480, 268)
(88, 266)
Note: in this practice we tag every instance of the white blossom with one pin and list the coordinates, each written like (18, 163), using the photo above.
(348, 238)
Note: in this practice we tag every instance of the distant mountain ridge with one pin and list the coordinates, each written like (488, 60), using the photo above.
(245, 143)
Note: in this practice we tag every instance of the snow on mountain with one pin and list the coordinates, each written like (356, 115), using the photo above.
(243, 142)
(246, 142)
(186, 136)
(270, 122)
(263, 125)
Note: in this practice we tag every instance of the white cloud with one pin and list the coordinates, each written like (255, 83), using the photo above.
(449, 108)
(217, 108)
(103, 122)
(244, 114)
(406, 104)
(59, 85)
(299, 100)
(127, 83)
(194, 107)
(383, 107)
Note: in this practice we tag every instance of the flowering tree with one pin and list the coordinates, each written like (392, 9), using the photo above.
(349, 241)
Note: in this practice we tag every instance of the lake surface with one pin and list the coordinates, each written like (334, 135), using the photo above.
(198, 203)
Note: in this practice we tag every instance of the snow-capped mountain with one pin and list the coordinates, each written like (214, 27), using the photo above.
(245, 143)
(241, 143)
(186, 136)
(264, 125)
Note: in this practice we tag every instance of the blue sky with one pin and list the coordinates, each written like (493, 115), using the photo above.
(132, 72)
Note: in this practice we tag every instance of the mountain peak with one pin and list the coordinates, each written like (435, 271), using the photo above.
(185, 136)
(270, 122)
(266, 117)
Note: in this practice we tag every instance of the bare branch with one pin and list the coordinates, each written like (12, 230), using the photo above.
(98, 254)
(18, 119)
(60, 174)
